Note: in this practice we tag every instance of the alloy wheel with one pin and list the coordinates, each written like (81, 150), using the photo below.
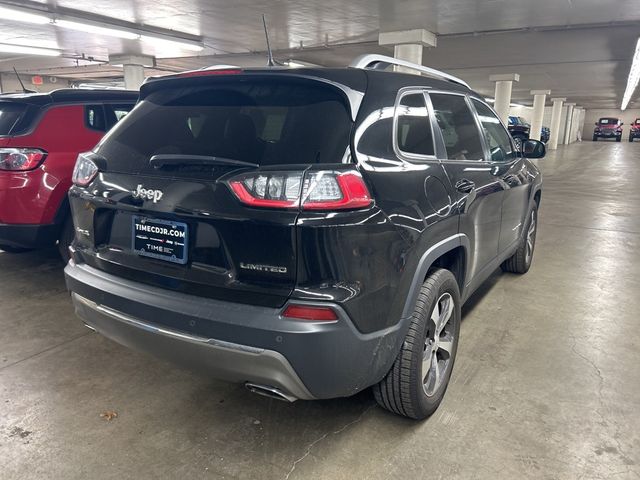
(438, 345)
(531, 237)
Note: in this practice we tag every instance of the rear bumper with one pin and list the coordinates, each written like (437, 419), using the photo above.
(29, 236)
(234, 342)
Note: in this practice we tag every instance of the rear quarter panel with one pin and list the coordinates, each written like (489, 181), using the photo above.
(62, 133)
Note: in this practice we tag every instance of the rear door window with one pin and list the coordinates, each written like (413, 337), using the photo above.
(267, 122)
(458, 126)
(10, 115)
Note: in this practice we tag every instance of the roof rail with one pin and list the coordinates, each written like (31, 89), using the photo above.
(380, 62)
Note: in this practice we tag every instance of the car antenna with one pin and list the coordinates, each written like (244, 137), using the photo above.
(24, 89)
(270, 61)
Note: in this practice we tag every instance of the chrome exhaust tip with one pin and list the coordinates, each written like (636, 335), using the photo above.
(271, 392)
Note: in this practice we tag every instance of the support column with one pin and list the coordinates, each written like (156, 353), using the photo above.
(133, 68)
(568, 125)
(539, 99)
(133, 76)
(408, 45)
(504, 84)
(556, 112)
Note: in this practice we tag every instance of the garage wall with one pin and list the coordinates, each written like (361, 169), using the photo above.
(522, 111)
(591, 116)
(9, 83)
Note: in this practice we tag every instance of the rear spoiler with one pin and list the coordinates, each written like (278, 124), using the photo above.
(211, 74)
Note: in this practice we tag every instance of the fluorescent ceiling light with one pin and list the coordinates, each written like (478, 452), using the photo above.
(10, 48)
(78, 23)
(94, 29)
(489, 100)
(634, 78)
(164, 42)
(21, 16)
(293, 64)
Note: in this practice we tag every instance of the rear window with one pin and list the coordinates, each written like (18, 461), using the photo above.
(10, 114)
(257, 121)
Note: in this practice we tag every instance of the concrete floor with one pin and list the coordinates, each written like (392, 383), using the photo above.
(546, 384)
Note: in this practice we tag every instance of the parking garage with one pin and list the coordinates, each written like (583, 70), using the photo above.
(545, 383)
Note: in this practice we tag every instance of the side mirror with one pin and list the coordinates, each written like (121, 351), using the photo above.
(621, 123)
(533, 149)
(596, 124)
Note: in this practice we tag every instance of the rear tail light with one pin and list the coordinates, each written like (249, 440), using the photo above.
(85, 170)
(312, 313)
(316, 190)
(21, 159)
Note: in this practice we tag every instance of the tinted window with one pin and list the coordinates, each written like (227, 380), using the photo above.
(458, 126)
(413, 129)
(495, 134)
(116, 112)
(608, 121)
(94, 118)
(377, 139)
(10, 114)
(263, 122)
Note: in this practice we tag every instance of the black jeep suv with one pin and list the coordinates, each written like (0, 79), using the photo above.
(309, 232)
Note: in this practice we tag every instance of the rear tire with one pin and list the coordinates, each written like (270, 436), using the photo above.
(66, 237)
(418, 379)
(595, 139)
(520, 261)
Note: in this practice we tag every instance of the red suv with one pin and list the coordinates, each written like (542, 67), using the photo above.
(608, 127)
(41, 135)
(634, 131)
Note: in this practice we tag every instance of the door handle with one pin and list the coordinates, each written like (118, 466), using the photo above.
(465, 186)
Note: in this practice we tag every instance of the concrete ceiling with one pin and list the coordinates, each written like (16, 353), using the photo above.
(580, 49)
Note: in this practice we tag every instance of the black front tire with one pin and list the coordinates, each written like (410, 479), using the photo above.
(631, 139)
(407, 389)
(618, 139)
(595, 139)
(66, 237)
(520, 261)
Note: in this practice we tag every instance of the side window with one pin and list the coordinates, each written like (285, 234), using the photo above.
(413, 129)
(94, 118)
(458, 126)
(497, 137)
(116, 112)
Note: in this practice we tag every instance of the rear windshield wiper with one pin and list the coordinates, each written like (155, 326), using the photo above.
(168, 159)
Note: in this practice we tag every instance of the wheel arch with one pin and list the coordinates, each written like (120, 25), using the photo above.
(451, 253)
(537, 197)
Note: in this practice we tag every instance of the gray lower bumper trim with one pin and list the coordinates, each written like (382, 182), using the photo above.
(225, 360)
